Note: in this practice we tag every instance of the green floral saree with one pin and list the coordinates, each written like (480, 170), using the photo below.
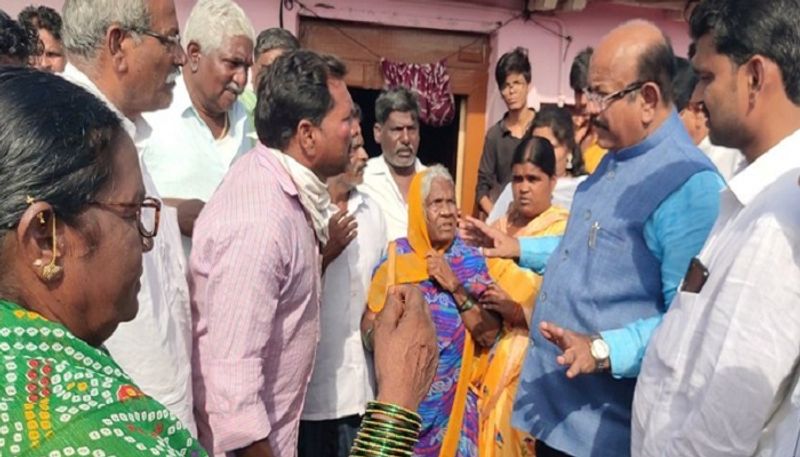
(61, 397)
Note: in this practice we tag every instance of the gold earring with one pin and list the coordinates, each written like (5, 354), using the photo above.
(30, 200)
(51, 271)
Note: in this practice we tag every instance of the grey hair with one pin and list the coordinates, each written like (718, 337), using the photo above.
(211, 22)
(431, 174)
(396, 99)
(86, 23)
(275, 38)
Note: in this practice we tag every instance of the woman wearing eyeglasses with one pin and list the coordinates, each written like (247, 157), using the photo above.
(74, 223)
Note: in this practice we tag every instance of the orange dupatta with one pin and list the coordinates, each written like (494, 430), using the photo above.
(412, 268)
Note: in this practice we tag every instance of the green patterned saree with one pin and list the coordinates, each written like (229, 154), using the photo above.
(61, 397)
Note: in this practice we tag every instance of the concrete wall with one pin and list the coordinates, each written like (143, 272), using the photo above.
(550, 55)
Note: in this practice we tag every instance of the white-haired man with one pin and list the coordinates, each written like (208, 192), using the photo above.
(127, 52)
(205, 128)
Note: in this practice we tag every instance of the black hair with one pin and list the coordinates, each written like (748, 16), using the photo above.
(275, 38)
(16, 42)
(559, 120)
(538, 151)
(579, 71)
(741, 29)
(657, 64)
(41, 17)
(55, 144)
(684, 83)
(514, 61)
(396, 99)
(293, 88)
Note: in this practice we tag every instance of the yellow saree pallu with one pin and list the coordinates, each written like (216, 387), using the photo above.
(406, 264)
(504, 363)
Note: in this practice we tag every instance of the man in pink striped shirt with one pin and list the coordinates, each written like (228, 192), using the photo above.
(255, 263)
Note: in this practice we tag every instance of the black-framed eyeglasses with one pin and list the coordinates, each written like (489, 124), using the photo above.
(148, 214)
(604, 101)
(171, 42)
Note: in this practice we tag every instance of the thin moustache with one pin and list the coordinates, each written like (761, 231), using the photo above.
(235, 89)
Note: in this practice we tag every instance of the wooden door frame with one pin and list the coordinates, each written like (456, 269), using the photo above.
(468, 67)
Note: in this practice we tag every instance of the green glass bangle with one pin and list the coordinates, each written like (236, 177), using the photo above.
(382, 447)
(378, 439)
(467, 305)
(391, 408)
(389, 427)
(357, 452)
(404, 420)
(394, 436)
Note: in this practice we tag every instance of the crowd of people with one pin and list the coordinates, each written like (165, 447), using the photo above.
(198, 257)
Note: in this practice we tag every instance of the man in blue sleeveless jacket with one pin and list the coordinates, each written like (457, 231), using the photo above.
(634, 226)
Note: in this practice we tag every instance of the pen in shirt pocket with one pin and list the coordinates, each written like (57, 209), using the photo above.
(593, 234)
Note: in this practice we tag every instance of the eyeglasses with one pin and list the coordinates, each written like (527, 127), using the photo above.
(148, 214)
(604, 101)
(171, 42)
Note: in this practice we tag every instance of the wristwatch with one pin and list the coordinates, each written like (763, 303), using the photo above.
(601, 353)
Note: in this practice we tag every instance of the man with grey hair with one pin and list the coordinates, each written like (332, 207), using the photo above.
(205, 128)
(270, 44)
(127, 53)
(387, 177)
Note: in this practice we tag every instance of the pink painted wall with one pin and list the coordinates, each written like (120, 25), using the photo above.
(550, 68)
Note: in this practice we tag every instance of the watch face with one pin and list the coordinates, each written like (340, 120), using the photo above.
(600, 349)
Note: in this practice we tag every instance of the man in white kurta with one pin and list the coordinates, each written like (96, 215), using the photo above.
(205, 128)
(719, 377)
(155, 347)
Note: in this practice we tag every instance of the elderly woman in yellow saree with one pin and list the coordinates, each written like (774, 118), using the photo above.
(533, 178)
(453, 278)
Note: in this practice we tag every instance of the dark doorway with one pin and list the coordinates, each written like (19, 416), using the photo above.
(436, 145)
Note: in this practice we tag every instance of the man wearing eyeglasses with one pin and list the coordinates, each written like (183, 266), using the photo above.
(126, 53)
(206, 128)
(634, 226)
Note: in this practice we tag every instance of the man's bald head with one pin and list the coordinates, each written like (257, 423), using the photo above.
(630, 84)
(638, 51)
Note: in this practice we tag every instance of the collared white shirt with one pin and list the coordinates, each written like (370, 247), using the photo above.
(728, 161)
(341, 384)
(381, 186)
(155, 347)
(718, 374)
(185, 160)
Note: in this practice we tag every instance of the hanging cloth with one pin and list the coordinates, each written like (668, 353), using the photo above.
(431, 83)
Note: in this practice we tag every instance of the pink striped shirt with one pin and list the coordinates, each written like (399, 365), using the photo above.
(255, 282)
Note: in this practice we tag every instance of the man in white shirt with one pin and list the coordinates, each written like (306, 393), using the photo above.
(718, 374)
(341, 384)
(127, 53)
(205, 129)
(387, 177)
(689, 102)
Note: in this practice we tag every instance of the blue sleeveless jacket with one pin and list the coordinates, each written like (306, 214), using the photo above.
(602, 276)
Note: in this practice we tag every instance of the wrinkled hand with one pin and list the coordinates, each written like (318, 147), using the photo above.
(494, 242)
(577, 349)
(496, 299)
(440, 270)
(342, 229)
(406, 354)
